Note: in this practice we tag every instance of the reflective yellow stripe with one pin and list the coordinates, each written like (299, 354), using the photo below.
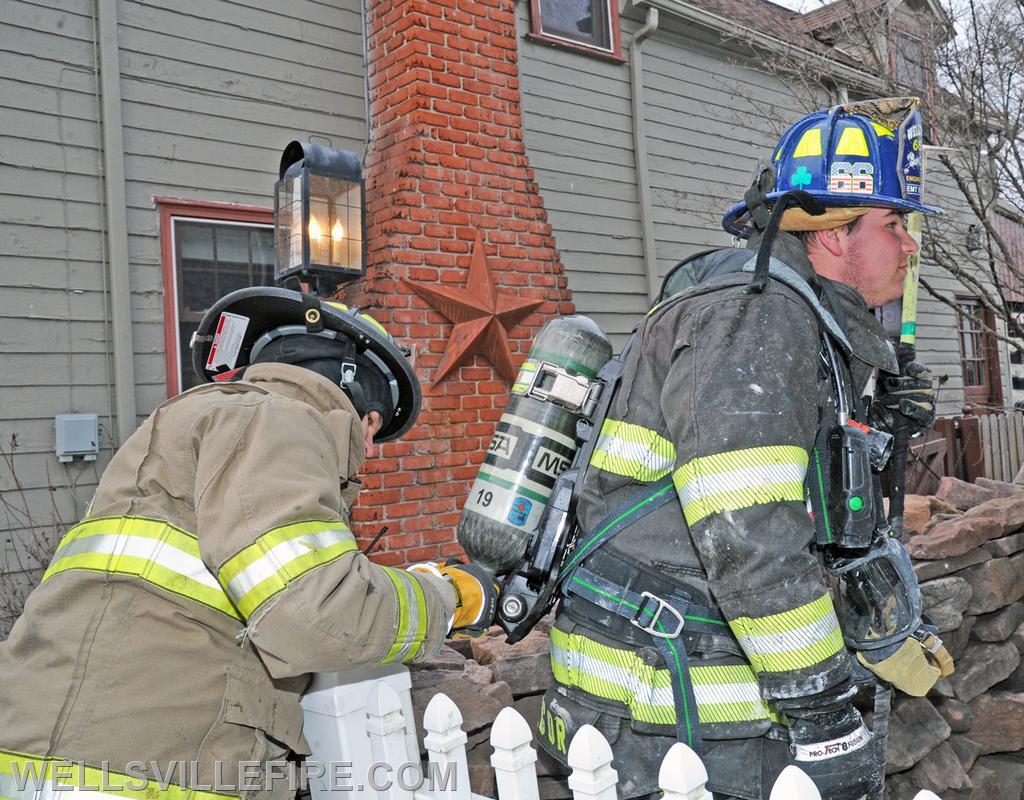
(152, 550)
(266, 567)
(724, 693)
(740, 479)
(411, 630)
(21, 774)
(633, 451)
(790, 640)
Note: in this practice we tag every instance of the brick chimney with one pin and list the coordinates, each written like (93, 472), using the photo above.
(447, 167)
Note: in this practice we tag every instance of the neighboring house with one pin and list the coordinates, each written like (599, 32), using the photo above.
(140, 143)
(701, 112)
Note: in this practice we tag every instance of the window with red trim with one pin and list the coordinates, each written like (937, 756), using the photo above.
(208, 250)
(978, 356)
(590, 25)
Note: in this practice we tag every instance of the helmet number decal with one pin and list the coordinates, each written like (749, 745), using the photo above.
(227, 341)
(856, 177)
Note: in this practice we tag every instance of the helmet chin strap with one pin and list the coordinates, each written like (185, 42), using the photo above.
(764, 252)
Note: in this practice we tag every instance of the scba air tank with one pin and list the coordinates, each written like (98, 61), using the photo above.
(535, 441)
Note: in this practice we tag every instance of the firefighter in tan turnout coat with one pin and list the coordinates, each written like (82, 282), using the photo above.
(215, 570)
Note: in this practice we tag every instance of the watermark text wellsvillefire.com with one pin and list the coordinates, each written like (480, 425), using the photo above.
(245, 776)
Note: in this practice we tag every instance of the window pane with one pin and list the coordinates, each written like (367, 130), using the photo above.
(213, 259)
(582, 21)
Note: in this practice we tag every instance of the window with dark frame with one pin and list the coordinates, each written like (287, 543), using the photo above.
(972, 344)
(212, 259)
(979, 356)
(588, 24)
(208, 249)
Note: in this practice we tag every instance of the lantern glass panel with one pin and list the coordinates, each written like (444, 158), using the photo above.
(288, 221)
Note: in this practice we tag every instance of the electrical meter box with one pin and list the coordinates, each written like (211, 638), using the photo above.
(78, 436)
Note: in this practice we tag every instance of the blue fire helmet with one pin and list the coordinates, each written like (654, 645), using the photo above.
(858, 154)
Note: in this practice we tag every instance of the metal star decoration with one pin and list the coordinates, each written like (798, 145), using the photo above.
(482, 316)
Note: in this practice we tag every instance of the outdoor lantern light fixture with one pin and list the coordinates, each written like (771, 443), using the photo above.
(319, 217)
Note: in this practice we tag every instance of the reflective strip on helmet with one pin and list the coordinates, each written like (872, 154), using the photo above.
(151, 550)
(411, 630)
(28, 777)
(280, 556)
(794, 639)
(740, 479)
(361, 315)
(633, 451)
(724, 693)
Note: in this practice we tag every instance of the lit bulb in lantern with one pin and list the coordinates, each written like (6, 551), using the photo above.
(314, 229)
(337, 232)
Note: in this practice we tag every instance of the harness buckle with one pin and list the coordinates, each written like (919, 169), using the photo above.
(663, 606)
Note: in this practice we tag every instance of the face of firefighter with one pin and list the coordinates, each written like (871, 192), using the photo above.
(872, 257)
(372, 424)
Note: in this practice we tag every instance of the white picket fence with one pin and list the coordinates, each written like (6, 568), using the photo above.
(1002, 444)
(682, 775)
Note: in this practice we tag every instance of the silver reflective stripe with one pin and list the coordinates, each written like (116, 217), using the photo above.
(278, 556)
(633, 451)
(155, 550)
(767, 644)
(539, 430)
(627, 679)
(9, 787)
(412, 604)
(724, 693)
(712, 483)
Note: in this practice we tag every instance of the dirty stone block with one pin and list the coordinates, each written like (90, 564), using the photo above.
(999, 625)
(928, 570)
(526, 675)
(945, 600)
(940, 770)
(1001, 488)
(914, 731)
(956, 641)
(982, 667)
(1015, 683)
(478, 673)
(966, 749)
(900, 787)
(1006, 545)
(1008, 510)
(995, 583)
(478, 759)
(961, 494)
(1017, 637)
(956, 713)
(955, 537)
(479, 704)
(917, 510)
(987, 786)
(941, 517)
(489, 649)
(996, 722)
(1009, 773)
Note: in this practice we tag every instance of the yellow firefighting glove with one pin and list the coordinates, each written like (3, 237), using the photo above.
(916, 667)
(476, 595)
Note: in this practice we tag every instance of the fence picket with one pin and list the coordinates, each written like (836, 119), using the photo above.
(986, 443)
(1013, 418)
(513, 759)
(683, 775)
(590, 757)
(1004, 447)
(793, 784)
(924, 794)
(385, 728)
(446, 749)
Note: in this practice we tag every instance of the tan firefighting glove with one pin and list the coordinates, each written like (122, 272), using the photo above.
(916, 667)
(476, 595)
